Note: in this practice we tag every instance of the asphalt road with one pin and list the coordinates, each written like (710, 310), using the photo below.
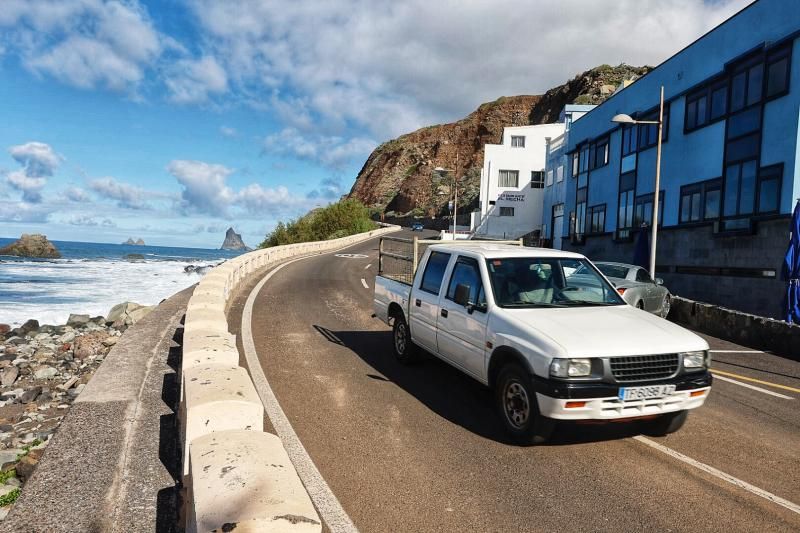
(421, 449)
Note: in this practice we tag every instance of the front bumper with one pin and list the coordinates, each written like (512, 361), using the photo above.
(602, 401)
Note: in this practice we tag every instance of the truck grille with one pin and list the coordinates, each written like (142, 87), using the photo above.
(644, 367)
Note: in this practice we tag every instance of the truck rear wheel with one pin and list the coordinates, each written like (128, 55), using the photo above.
(405, 351)
(516, 402)
(668, 423)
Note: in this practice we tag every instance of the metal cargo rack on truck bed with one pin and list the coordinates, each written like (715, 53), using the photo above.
(398, 257)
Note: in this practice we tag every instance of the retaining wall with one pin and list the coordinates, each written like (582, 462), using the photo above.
(758, 332)
(234, 473)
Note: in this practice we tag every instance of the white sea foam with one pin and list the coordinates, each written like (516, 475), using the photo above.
(50, 291)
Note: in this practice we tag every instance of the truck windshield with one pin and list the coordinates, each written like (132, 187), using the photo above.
(549, 282)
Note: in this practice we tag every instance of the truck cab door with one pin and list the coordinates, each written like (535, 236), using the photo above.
(424, 304)
(462, 328)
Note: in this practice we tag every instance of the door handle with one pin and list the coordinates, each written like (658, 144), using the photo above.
(418, 302)
(444, 313)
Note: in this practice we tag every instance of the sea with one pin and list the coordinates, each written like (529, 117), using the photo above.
(91, 278)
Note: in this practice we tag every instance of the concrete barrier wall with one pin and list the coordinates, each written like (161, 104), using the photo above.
(227, 456)
(754, 331)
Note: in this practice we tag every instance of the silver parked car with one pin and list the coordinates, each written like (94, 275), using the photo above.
(637, 287)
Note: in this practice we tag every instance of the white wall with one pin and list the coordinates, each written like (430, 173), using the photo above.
(527, 202)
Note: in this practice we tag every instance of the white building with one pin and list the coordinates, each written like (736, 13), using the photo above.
(512, 182)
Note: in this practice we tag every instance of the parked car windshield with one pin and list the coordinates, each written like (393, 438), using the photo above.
(549, 282)
(613, 271)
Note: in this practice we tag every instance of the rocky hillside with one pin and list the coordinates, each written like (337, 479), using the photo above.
(398, 176)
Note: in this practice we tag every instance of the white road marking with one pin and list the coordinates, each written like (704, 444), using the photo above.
(369, 265)
(736, 351)
(720, 474)
(330, 510)
(759, 389)
(364, 283)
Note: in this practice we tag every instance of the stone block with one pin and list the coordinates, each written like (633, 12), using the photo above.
(217, 397)
(246, 480)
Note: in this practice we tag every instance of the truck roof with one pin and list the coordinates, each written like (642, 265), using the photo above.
(490, 250)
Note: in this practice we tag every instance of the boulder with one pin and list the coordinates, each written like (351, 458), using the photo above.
(29, 325)
(134, 258)
(90, 344)
(47, 372)
(4, 328)
(78, 320)
(29, 395)
(120, 310)
(127, 313)
(32, 246)
(9, 376)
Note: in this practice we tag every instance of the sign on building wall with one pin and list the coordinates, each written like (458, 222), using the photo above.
(511, 197)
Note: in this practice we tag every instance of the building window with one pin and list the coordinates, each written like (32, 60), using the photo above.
(559, 173)
(769, 188)
(746, 85)
(778, 72)
(740, 188)
(434, 272)
(628, 139)
(508, 178)
(580, 212)
(537, 179)
(627, 185)
(517, 141)
(719, 100)
(597, 219)
(584, 163)
(506, 211)
(648, 133)
(643, 212)
(598, 155)
(575, 159)
(549, 177)
(700, 201)
(696, 110)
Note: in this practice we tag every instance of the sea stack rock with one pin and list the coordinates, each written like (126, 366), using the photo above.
(233, 241)
(32, 246)
(137, 242)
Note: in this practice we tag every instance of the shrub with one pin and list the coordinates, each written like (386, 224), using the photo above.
(343, 218)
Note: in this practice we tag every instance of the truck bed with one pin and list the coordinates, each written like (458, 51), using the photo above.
(388, 290)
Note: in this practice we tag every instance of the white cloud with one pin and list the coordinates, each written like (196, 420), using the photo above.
(38, 161)
(393, 67)
(226, 131)
(86, 220)
(191, 82)
(126, 195)
(76, 194)
(331, 151)
(204, 187)
(24, 212)
(85, 43)
(258, 200)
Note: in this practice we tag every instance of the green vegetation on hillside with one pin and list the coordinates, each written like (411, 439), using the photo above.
(346, 217)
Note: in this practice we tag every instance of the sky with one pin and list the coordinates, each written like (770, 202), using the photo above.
(172, 120)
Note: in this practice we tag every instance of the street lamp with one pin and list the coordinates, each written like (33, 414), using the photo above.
(440, 170)
(626, 119)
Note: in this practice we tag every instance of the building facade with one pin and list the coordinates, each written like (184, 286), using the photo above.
(556, 168)
(729, 172)
(512, 182)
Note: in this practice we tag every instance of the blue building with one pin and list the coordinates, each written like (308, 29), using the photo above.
(729, 176)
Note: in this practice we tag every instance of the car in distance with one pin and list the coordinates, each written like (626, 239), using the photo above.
(637, 287)
(548, 333)
(417, 226)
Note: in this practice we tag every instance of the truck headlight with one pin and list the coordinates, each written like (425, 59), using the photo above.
(695, 360)
(570, 368)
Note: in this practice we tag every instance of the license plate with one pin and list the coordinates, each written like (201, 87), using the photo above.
(645, 393)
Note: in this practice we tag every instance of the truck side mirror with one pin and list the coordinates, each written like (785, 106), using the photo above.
(462, 294)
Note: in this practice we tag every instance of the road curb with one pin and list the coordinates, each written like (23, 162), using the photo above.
(219, 427)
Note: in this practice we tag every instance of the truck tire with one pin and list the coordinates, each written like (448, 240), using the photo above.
(518, 409)
(666, 424)
(405, 351)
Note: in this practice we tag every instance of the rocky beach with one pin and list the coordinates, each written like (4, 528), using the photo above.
(43, 369)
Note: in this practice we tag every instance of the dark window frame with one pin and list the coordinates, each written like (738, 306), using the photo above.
(703, 187)
(515, 138)
(538, 177)
(472, 262)
(762, 175)
(644, 130)
(590, 219)
(774, 56)
(500, 211)
(646, 198)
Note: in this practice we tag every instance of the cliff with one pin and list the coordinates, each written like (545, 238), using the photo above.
(398, 176)
(32, 246)
(233, 241)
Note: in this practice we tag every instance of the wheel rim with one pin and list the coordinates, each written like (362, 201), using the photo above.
(516, 403)
(400, 338)
(665, 307)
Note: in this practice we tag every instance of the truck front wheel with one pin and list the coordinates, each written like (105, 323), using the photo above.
(516, 401)
(404, 350)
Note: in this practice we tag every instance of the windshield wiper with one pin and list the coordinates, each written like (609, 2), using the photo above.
(532, 304)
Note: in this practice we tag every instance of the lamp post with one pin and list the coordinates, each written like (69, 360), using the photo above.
(626, 119)
(440, 170)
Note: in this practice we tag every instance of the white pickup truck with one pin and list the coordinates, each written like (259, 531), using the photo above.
(549, 334)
